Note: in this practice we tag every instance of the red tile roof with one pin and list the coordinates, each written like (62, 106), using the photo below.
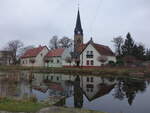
(102, 49)
(33, 52)
(55, 52)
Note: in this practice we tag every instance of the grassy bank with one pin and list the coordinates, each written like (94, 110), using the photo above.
(54, 109)
(12, 105)
(110, 71)
(28, 106)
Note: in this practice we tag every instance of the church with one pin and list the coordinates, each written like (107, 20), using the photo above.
(90, 54)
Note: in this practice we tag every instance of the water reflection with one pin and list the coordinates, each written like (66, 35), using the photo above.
(78, 93)
(128, 88)
(80, 90)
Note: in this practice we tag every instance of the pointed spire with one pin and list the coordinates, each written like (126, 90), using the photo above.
(78, 28)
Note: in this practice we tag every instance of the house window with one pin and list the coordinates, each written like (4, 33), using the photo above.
(57, 61)
(92, 62)
(51, 61)
(87, 62)
(51, 77)
(91, 89)
(41, 54)
(87, 79)
(57, 78)
(89, 54)
(91, 79)
(23, 62)
(87, 89)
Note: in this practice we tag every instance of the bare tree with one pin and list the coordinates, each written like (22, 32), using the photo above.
(118, 41)
(68, 60)
(54, 42)
(14, 47)
(102, 59)
(65, 42)
(24, 49)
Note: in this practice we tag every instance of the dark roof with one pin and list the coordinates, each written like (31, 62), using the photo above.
(102, 49)
(33, 52)
(55, 52)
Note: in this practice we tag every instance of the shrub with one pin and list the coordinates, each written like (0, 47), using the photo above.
(33, 99)
(111, 63)
(120, 62)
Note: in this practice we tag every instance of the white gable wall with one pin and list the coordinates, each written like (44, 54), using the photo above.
(95, 56)
(39, 59)
(83, 57)
(64, 56)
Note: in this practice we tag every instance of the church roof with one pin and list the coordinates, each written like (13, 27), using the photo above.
(102, 49)
(78, 24)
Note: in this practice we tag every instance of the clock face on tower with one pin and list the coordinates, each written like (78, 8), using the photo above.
(79, 32)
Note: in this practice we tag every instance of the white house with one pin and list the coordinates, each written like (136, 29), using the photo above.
(58, 57)
(34, 57)
(92, 54)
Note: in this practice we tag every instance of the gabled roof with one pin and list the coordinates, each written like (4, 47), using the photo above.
(55, 52)
(104, 89)
(33, 52)
(102, 49)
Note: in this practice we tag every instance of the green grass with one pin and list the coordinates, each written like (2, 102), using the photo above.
(69, 110)
(101, 71)
(12, 105)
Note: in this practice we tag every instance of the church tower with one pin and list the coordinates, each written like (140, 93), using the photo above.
(78, 32)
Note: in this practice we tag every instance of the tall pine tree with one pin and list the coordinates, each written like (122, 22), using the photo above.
(128, 46)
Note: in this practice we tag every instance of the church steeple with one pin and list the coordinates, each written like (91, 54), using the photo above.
(78, 33)
(78, 29)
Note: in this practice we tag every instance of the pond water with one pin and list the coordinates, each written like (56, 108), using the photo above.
(112, 95)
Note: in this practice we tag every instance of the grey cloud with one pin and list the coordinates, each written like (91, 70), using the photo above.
(36, 21)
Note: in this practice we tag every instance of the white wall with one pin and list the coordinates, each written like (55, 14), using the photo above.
(95, 57)
(39, 59)
(54, 62)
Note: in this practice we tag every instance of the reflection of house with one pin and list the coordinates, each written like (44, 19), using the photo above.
(56, 84)
(57, 57)
(6, 58)
(95, 87)
(34, 57)
(89, 53)
(8, 85)
(60, 84)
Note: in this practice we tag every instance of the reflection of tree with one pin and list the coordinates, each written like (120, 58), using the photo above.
(78, 95)
(118, 91)
(129, 88)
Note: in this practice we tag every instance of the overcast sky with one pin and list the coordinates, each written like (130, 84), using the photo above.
(34, 22)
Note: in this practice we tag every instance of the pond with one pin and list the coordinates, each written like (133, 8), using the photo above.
(112, 95)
